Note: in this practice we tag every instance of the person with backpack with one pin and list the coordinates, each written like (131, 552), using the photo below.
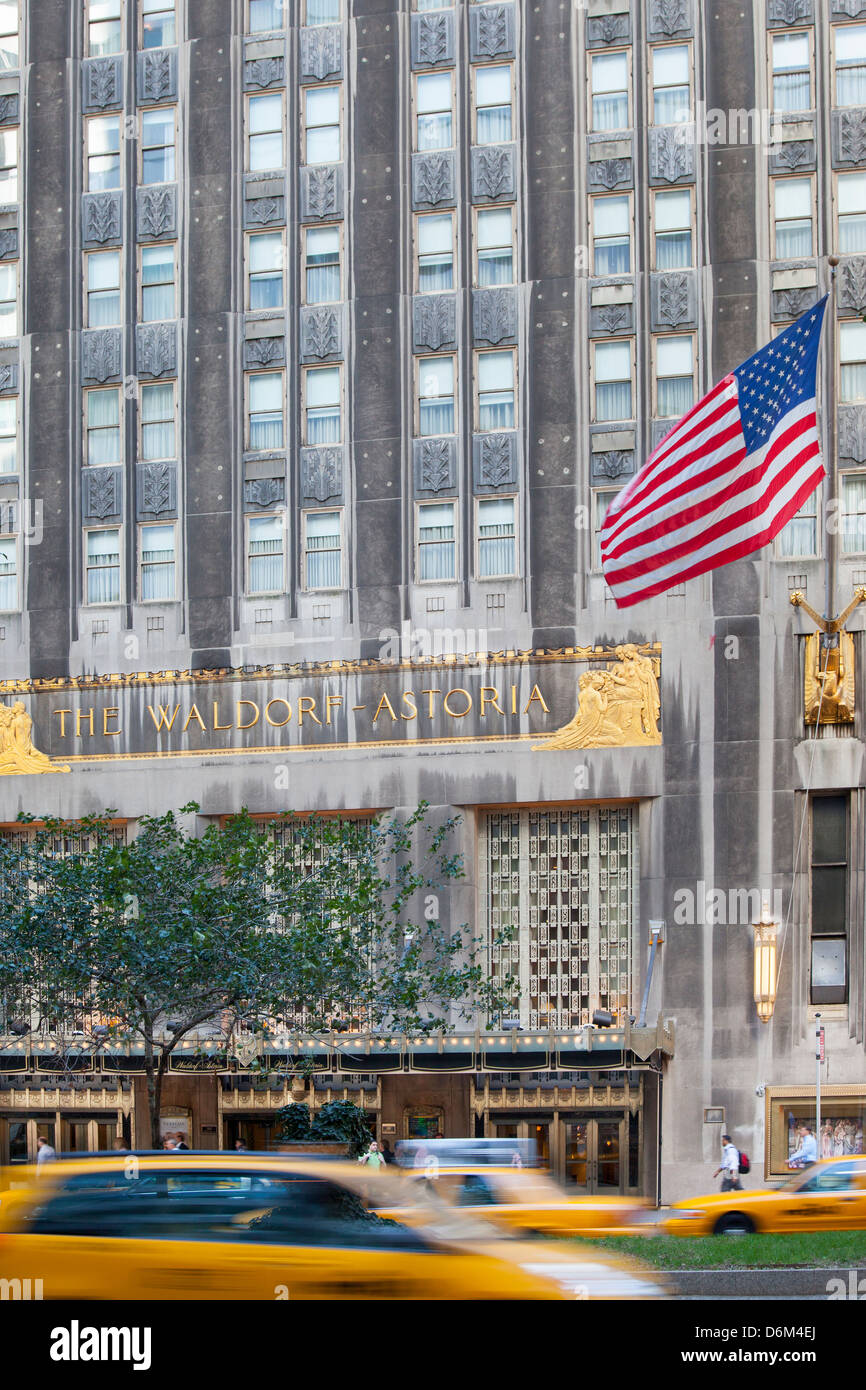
(730, 1166)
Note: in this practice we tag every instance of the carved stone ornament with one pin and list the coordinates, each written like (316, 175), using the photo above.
(320, 332)
(433, 178)
(613, 464)
(262, 72)
(609, 28)
(496, 462)
(669, 16)
(156, 488)
(264, 492)
(101, 492)
(492, 172)
(607, 173)
(157, 210)
(321, 474)
(8, 376)
(494, 315)
(321, 191)
(793, 154)
(790, 304)
(613, 317)
(852, 136)
(102, 83)
(673, 302)
(9, 104)
(788, 11)
(672, 155)
(156, 349)
(100, 354)
(852, 284)
(260, 212)
(491, 31)
(850, 8)
(8, 242)
(434, 318)
(852, 434)
(431, 39)
(436, 470)
(264, 352)
(102, 217)
(619, 707)
(157, 75)
(17, 751)
(321, 52)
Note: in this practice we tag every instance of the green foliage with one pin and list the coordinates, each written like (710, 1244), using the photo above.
(294, 1122)
(341, 1122)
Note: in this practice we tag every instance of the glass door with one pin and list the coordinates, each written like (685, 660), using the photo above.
(593, 1158)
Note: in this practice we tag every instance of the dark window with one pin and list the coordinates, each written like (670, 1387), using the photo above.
(829, 885)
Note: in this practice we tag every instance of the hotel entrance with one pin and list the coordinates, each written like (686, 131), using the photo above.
(597, 1153)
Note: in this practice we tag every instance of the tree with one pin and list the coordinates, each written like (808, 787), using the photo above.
(298, 923)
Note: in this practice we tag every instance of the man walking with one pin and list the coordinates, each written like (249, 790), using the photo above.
(730, 1166)
(45, 1153)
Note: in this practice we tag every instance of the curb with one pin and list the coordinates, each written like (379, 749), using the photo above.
(784, 1282)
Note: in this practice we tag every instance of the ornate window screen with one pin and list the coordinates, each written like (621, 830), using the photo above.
(564, 881)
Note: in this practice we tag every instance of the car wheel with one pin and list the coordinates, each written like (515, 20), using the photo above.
(734, 1223)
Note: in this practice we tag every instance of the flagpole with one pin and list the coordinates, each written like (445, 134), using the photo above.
(831, 535)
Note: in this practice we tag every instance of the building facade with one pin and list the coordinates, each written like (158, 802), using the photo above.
(329, 330)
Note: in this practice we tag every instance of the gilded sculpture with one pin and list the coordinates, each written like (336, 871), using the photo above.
(619, 707)
(828, 686)
(17, 753)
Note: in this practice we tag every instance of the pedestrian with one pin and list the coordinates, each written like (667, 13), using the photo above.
(240, 1147)
(45, 1153)
(119, 1146)
(730, 1166)
(387, 1152)
(168, 1143)
(373, 1158)
(807, 1150)
(179, 1141)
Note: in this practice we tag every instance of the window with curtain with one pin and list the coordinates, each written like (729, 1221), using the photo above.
(9, 57)
(497, 540)
(265, 15)
(435, 252)
(102, 566)
(792, 86)
(851, 65)
(103, 288)
(675, 383)
(852, 358)
(792, 218)
(8, 573)
(800, 536)
(158, 25)
(104, 31)
(672, 224)
(8, 434)
(265, 265)
(322, 405)
(437, 545)
(322, 534)
(8, 299)
(613, 380)
(322, 12)
(433, 4)
(102, 426)
(609, 84)
(851, 210)
(265, 132)
(601, 501)
(492, 105)
(433, 117)
(853, 513)
(322, 274)
(157, 145)
(265, 554)
(495, 390)
(435, 395)
(157, 563)
(829, 900)
(265, 403)
(322, 125)
(672, 97)
(611, 235)
(9, 165)
(494, 247)
(103, 153)
(157, 283)
(157, 421)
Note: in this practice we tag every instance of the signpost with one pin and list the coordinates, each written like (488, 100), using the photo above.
(819, 1057)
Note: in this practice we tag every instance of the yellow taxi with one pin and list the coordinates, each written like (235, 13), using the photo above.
(251, 1226)
(826, 1196)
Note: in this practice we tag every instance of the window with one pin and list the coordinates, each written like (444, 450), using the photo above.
(435, 395)
(850, 43)
(437, 545)
(322, 125)
(9, 165)
(104, 31)
(672, 98)
(829, 885)
(102, 566)
(497, 541)
(265, 269)
(8, 434)
(102, 426)
(9, 34)
(265, 398)
(433, 111)
(494, 246)
(157, 421)
(792, 218)
(492, 105)
(322, 278)
(852, 357)
(792, 72)
(435, 251)
(157, 283)
(265, 133)
(8, 299)
(800, 536)
(611, 235)
(675, 379)
(601, 501)
(322, 12)
(157, 145)
(322, 405)
(265, 14)
(495, 377)
(157, 563)
(853, 513)
(609, 82)
(851, 212)
(433, 4)
(613, 381)
(103, 153)
(103, 288)
(322, 550)
(8, 573)
(265, 554)
(158, 29)
(672, 225)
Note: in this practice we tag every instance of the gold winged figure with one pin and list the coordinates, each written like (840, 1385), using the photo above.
(618, 707)
(17, 753)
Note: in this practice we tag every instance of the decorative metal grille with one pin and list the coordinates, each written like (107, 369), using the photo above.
(563, 882)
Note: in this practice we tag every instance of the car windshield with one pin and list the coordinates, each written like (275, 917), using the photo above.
(836, 1177)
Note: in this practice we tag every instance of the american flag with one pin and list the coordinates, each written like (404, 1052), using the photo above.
(728, 476)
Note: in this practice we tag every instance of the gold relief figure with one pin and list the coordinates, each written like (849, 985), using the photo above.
(829, 681)
(17, 753)
(618, 708)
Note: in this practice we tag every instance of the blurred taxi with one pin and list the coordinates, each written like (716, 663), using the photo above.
(826, 1196)
(214, 1226)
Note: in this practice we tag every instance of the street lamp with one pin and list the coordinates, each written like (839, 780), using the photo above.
(765, 963)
